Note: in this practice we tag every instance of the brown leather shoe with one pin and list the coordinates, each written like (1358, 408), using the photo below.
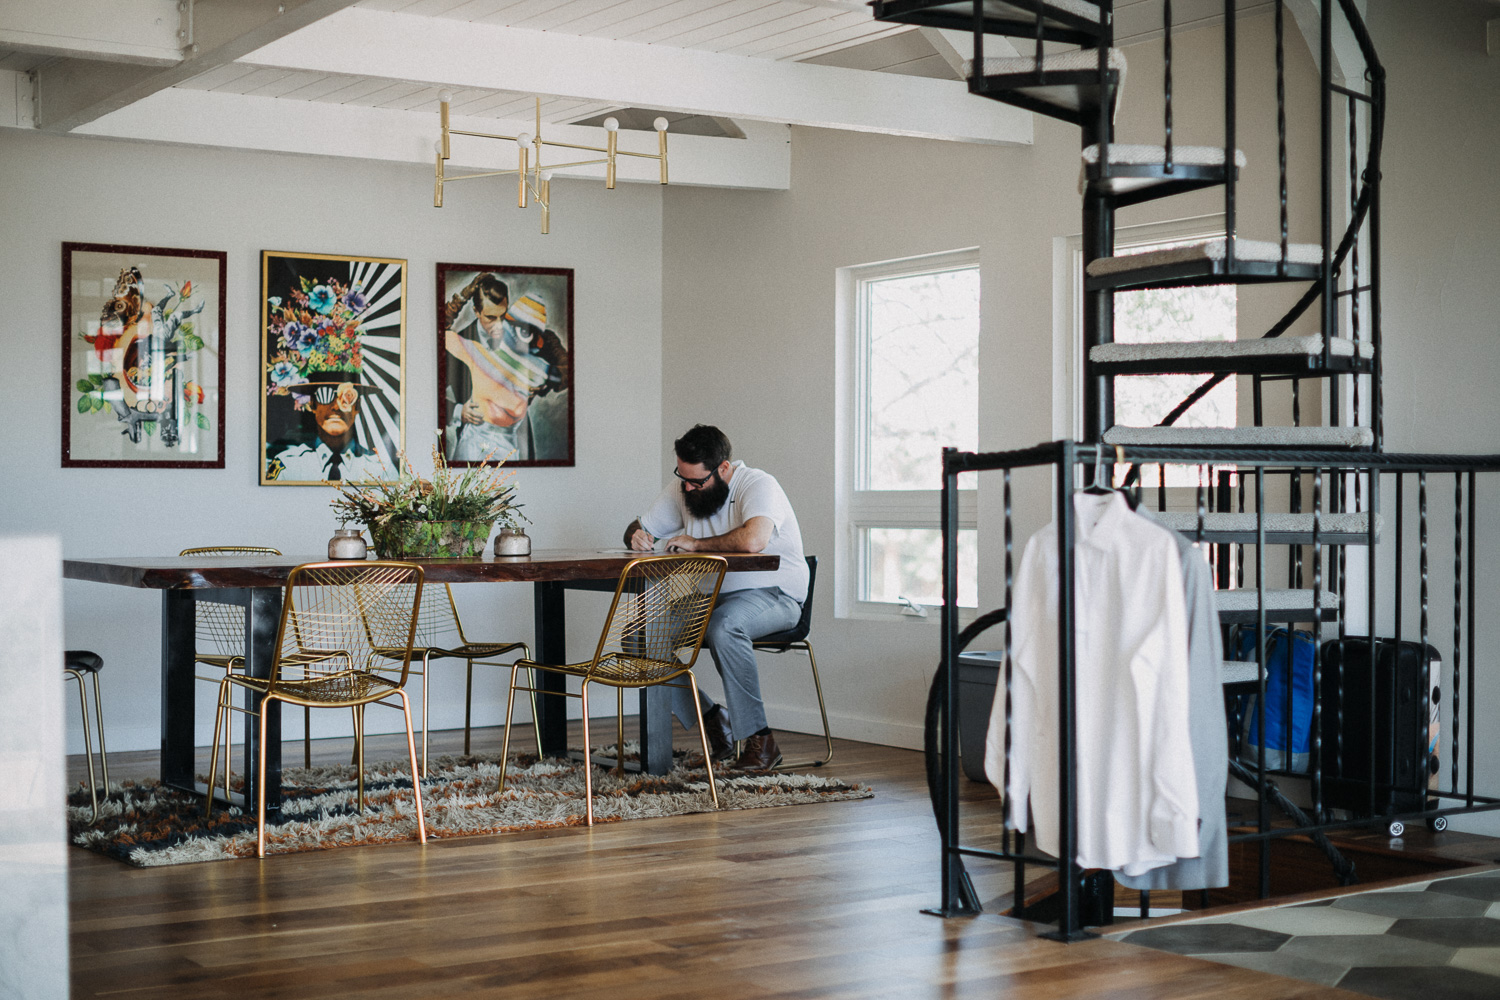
(760, 753)
(720, 737)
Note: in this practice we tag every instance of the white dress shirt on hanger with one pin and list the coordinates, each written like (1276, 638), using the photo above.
(1137, 794)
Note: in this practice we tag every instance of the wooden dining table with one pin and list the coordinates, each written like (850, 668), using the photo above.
(256, 582)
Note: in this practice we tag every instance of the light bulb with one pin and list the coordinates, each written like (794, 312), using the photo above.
(547, 175)
(438, 147)
(523, 140)
(611, 124)
(445, 96)
(660, 124)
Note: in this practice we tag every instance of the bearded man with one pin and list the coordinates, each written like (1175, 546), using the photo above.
(719, 505)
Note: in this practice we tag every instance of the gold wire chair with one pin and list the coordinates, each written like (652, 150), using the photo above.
(438, 625)
(219, 633)
(340, 623)
(660, 610)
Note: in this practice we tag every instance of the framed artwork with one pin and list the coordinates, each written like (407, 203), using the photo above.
(505, 364)
(142, 357)
(333, 368)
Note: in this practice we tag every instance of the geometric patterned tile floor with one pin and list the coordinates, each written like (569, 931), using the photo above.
(1437, 940)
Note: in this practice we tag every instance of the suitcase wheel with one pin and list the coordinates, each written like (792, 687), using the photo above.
(1397, 828)
(1437, 824)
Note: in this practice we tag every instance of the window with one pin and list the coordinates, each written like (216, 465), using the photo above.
(1176, 315)
(909, 360)
(1156, 316)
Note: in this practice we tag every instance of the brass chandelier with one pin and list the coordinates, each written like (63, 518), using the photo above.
(533, 180)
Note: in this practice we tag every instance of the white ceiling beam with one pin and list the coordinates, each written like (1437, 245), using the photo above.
(491, 57)
(240, 121)
(1348, 62)
(15, 99)
(138, 31)
(74, 91)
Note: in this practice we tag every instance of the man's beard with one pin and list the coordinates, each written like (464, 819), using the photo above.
(706, 501)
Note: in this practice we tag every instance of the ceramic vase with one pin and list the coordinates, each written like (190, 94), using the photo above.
(512, 543)
(347, 543)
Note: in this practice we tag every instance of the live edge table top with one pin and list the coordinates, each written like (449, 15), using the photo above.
(235, 572)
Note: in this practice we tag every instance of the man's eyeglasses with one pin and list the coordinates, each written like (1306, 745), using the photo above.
(696, 484)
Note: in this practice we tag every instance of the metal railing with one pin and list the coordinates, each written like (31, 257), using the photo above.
(1391, 593)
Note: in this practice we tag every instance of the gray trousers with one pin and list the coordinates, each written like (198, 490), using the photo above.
(739, 618)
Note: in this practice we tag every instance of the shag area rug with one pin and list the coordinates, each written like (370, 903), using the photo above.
(145, 824)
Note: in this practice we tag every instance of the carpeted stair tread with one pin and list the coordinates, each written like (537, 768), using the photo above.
(1239, 606)
(1253, 437)
(1077, 60)
(1263, 251)
(1140, 154)
(1276, 524)
(1257, 347)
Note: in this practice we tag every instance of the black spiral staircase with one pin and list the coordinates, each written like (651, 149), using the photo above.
(1331, 472)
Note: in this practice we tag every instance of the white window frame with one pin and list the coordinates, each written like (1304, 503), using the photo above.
(857, 509)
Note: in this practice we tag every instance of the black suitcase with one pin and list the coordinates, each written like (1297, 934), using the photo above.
(1405, 739)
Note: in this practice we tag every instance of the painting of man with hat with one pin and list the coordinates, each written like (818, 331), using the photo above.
(334, 356)
(336, 454)
(505, 374)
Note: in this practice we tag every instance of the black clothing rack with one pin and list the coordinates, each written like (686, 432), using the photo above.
(1458, 795)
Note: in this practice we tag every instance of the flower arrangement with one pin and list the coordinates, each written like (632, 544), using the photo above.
(316, 331)
(451, 513)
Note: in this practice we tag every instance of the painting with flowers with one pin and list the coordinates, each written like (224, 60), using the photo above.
(333, 353)
(143, 357)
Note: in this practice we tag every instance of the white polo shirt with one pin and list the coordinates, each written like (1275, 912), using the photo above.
(752, 493)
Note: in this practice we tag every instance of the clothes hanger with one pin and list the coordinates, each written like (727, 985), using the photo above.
(1097, 487)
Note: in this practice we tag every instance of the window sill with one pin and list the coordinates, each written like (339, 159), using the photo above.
(890, 613)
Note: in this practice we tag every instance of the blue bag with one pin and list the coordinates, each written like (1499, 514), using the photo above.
(1284, 671)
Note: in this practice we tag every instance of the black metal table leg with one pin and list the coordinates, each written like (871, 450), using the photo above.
(656, 729)
(177, 689)
(263, 616)
(551, 647)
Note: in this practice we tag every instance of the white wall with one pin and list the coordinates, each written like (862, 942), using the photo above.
(91, 190)
(1441, 272)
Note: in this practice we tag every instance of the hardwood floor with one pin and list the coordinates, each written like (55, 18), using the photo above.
(819, 901)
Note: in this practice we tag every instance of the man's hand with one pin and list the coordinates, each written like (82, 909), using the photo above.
(472, 414)
(638, 538)
(682, 543)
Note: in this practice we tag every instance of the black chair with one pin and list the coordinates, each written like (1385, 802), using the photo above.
(78, 664)
(796, 638)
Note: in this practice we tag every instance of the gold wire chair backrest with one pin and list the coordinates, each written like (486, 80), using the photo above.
(340, 621)
(438, 625)
(660, 611)
(220, 628)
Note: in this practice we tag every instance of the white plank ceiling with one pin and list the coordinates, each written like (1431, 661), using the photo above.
(722, 71)
(818, 32)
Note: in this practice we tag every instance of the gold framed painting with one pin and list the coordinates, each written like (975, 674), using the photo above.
(142, 357)
(333, 368)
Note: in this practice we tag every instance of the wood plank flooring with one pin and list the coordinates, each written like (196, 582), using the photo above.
(819, 901)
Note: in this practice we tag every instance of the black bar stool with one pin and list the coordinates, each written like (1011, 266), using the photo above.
(78, 663)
